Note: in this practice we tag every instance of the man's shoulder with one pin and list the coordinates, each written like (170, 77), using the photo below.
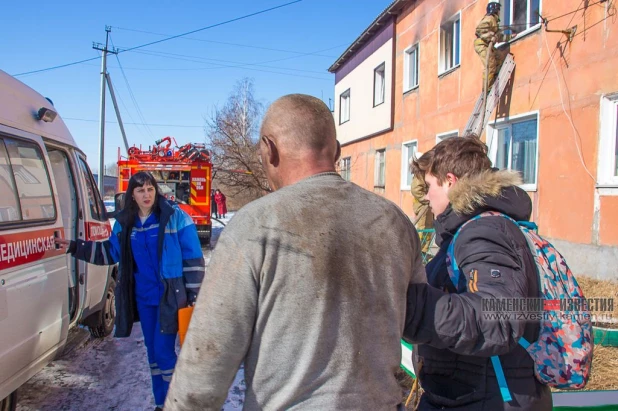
(250, 214)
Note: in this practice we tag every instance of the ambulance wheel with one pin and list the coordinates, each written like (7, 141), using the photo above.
(107, 316)
(9, 403)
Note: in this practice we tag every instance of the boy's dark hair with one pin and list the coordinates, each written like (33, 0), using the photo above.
(461, 156)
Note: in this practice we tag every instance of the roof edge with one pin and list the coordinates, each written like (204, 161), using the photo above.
(392, 10)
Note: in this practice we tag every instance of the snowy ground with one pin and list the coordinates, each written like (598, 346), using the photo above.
(105, 374)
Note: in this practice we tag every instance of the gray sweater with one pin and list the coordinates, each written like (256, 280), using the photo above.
(307, 286)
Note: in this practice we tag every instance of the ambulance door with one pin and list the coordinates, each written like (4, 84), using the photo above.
(67, 192)
(94, 226)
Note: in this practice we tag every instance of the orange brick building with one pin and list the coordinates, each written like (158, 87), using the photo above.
(412, 78)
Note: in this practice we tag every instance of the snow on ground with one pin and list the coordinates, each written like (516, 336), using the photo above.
(106, 374)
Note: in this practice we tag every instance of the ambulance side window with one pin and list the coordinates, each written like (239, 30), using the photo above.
(31, 179)
(97, 211)
(9, 206)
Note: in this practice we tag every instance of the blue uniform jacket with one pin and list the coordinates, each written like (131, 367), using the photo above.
(181, 266)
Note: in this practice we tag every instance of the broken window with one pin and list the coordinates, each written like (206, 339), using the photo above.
(519, 15)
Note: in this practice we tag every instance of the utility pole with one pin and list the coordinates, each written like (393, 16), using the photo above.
(105, 50)
(111, 93)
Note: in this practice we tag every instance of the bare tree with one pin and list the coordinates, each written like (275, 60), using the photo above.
(232, 135)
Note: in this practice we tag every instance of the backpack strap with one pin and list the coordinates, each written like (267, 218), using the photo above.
(460, 285)
(504, 388)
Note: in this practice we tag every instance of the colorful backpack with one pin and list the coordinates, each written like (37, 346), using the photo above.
(563, 352)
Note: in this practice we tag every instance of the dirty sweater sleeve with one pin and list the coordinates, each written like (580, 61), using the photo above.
(220, 331)
(492, 270)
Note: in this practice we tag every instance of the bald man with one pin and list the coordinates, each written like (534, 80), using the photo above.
(307, 285)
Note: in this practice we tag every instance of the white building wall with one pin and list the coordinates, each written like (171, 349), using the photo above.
(365, 119)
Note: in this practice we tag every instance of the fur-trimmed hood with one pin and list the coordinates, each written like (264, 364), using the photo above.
(473, 192)
(493, 190)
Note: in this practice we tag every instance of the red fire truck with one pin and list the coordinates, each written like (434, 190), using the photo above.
(184, 175)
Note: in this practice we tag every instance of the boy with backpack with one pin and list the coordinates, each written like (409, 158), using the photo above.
(465, 358)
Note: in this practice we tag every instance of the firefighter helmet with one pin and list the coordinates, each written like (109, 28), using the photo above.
(493, 7)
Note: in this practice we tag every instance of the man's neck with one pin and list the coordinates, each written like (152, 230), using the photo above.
(298, 174)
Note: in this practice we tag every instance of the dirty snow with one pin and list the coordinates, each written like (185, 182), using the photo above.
(106, 374)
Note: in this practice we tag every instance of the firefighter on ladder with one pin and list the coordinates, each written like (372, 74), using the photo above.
(488, 33)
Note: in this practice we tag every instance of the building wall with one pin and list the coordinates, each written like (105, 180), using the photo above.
(365, 118)
(569, 205)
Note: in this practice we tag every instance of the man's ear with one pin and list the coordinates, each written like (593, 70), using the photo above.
(272, 153)
(338, 153)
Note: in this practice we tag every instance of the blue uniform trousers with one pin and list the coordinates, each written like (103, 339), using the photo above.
(161, 351)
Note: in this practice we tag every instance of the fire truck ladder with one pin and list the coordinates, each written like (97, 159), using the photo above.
(482, 112)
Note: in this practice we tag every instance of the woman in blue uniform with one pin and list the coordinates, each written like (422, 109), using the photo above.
(161, 267)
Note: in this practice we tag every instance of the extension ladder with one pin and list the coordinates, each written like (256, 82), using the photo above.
(479, 119)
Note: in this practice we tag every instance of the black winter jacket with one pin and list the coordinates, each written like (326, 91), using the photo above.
(454, 339)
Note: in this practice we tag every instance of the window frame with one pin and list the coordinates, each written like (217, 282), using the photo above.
(407, 53)
(447, 134)
(347, 94)
(376, 181)
(100, 205)
(607, 142)
(455, 35)
(375, 74)
(528, 30)
(345, 171)
(17, 136)
(492, 134)
(405, 165)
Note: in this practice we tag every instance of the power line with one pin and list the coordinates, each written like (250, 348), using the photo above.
(165, 39)
(212, 26)
(227, 43)
(55, 67)
(126, 109)
(214, 68)
(184, 57)
(132, 123)
(139, 111)
(576, 10)
(145, 130)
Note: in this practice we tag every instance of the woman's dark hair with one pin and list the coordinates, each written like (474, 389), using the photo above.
(139, 180)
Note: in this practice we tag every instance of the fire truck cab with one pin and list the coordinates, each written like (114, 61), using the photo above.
(184, 175)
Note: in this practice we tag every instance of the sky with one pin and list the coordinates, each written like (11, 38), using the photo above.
(169, 88)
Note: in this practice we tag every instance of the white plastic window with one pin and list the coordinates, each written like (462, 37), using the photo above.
(408, 150)
(450, 44)
(410, 68)
(379, 85)
(380, 167)
(344, 107)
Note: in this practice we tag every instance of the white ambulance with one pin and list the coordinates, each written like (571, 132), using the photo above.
(46, 189)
